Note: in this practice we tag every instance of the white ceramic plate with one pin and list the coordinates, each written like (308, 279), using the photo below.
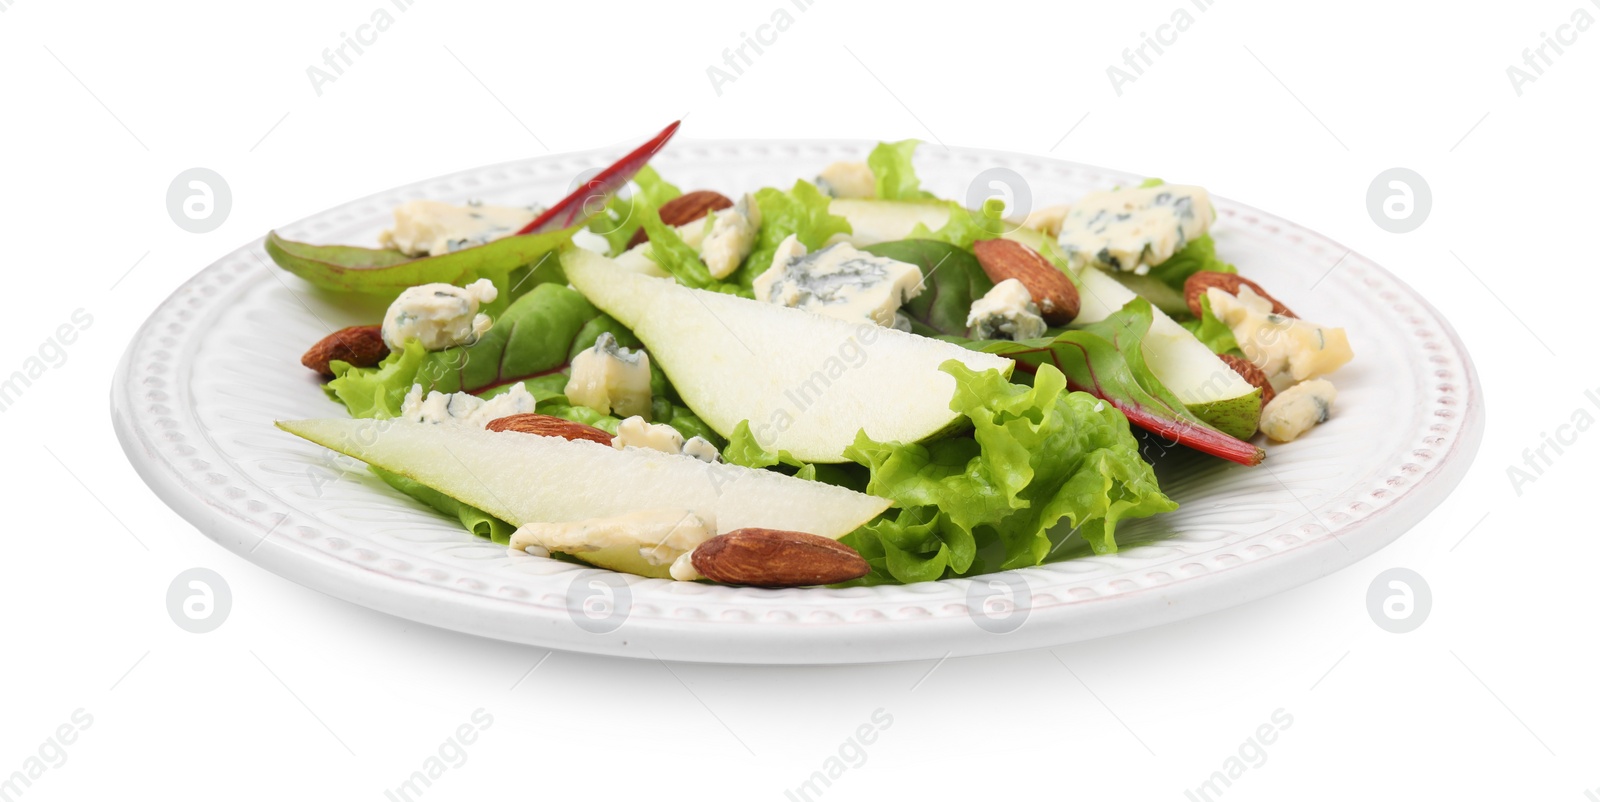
(202, 381)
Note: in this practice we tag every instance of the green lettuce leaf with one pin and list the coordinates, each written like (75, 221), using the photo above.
(892, 172)
(472, 519)
(1198, 254)
(1212, 332)
(801, 211)
(622, 217)
(952, 280)
(965, 226)
(672, 254)
(387, 273)
(1041, 464)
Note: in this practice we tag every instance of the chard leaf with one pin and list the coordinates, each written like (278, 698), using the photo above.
(952, 280)
(374, 271)
(1106, 359)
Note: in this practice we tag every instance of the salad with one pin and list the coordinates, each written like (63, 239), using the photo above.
(847, 380)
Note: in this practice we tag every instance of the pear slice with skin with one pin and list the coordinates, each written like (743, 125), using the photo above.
(807, 383)
(522, 478)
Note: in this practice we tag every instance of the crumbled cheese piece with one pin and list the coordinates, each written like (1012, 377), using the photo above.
(610, 379)
(1287, 349)
(848, 180)
(683, 568)
(430, 228)
(701, 449)
(1047, 220)
(636, 432)
(1294, 411)
(464, 409)
(661, 536)
(1135, 229)
(439, 316)
(838, 281)
(1006, 312)
(731, 238)
(590, 241)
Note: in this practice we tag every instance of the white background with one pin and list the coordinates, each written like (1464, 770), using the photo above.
(1290, 107)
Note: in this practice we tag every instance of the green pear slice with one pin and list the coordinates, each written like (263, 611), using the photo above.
(875, 221)
(1206, 385)
(521, 478)
(807, 383)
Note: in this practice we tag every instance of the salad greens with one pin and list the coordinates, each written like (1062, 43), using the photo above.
(387, 273)
(892, 173)
(1038, 457)
(952, 280)
(622, 217)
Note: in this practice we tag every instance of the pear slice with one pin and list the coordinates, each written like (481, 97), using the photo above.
(1202, 381)
(807, 383)
(522, 478)
(875, 221)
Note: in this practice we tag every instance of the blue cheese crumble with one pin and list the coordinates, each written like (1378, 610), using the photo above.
(1134, 229)
(636, 432)
(610, 379)
(838, 281)
(439, 316)
(464, 409)
(1294, 411)
(731, 237)
(1005, 312)
(431, 228)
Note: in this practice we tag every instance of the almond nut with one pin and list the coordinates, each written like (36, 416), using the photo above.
(1197, 284)
(686, 208)
(1054, 293)
(548, 426)
(774, 558)
(1248, 371)
(361, 346)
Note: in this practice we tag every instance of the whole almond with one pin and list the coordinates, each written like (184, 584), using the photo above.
(548, 426)
(775, 558)
(686, 208)
(1054, 293)
(1248, 371)
(1195, 287)
(361, 346)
